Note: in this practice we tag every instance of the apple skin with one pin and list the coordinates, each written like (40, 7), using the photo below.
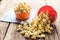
(52, 12)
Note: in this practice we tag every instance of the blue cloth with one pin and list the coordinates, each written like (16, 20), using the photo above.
(9, 16)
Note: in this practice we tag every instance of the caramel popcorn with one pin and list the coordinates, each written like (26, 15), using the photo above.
(22, 8)
(37, 27)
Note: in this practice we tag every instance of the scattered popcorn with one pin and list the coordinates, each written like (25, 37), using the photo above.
(37, 27)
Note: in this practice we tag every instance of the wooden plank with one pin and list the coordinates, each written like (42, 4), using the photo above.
(18, 36)
(46, 37)
(3, 25)
(54, 35)
(3, 29)
(58, 29)
(12, 33)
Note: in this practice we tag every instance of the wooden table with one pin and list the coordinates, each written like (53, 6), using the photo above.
(8, 30)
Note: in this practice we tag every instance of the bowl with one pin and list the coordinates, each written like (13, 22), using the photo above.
(22, 16)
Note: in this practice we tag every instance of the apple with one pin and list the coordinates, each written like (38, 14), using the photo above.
(52, 13)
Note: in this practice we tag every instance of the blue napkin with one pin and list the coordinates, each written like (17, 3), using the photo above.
(9, 16)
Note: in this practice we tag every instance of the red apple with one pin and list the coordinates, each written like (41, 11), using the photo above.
(52, 12)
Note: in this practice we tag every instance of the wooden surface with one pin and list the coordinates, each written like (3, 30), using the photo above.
(8, 30)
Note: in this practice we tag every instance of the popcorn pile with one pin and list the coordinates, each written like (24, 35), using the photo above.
(37, 28)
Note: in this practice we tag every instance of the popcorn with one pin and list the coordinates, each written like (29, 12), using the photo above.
(37, 27)
(33, 37)
(22, 8)
(42, 35)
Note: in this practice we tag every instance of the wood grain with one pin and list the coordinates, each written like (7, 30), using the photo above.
(12, 33)
(46, 37)
(3, 29)
(58, 29)
(54, 35)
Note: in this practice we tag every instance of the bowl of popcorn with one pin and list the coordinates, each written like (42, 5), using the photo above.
(22, 11)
